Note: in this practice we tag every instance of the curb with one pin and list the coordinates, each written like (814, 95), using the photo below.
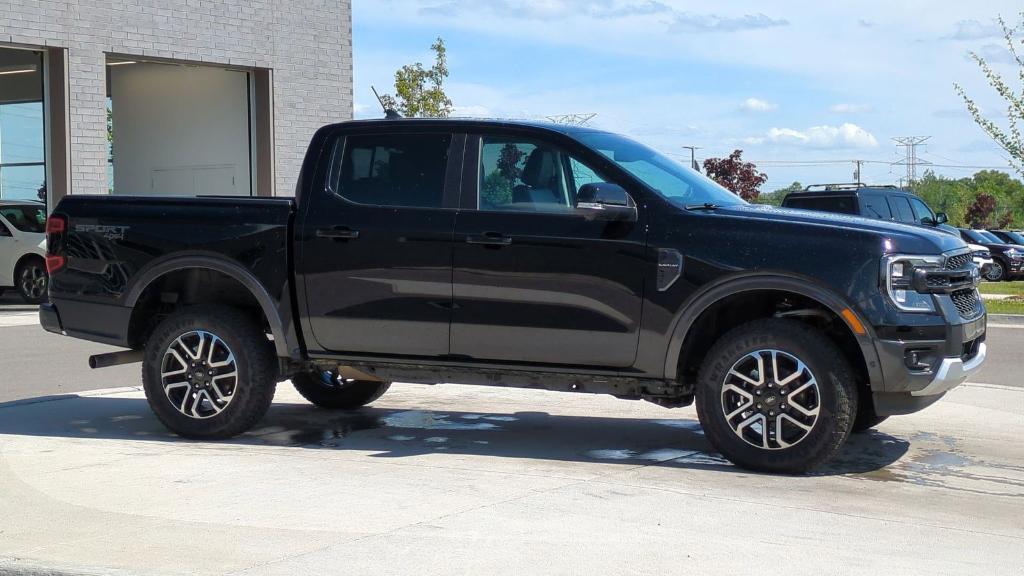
(1016, 319)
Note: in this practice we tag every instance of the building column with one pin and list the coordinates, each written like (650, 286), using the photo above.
(87, 99)
(58, 142)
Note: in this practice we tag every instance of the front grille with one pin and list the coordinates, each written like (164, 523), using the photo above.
(937, 281)
(967, 303)
(958, 261)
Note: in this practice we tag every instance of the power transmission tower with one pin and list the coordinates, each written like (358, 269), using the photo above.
(911, 160)
(574, 119)
(693, 157)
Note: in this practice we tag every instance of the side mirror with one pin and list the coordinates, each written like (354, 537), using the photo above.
(606, 201)
(941, 218)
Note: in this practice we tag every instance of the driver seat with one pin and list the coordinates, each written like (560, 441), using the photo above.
(540, 179)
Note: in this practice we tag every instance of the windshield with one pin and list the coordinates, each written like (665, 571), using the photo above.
(25, 218)
(992, 238)
(665, 176)
(1016, 237)
(973, 236)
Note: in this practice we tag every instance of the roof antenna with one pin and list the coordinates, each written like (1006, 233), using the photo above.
(389, 113)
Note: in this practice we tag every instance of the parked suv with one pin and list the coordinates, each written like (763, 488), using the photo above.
(519, 254)
(878, 202)
(23, 249)
(1010, 236)
(1007, 259)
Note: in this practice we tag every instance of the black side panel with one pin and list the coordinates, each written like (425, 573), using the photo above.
(116, 245)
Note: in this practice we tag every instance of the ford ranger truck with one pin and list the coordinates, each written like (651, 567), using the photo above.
(519, 254)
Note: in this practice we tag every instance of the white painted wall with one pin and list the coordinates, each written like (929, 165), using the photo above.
(180, 130)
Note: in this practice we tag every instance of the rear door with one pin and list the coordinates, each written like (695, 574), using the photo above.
(875, 206)
(901, 210)
(376, 243)
(536, 280)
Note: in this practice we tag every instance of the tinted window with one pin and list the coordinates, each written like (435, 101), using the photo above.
(974, 237)
(522, 174)
(392, 169)
(901, 209)
(875, 206)
(921, 211)
(1014, 237)
(26, 218)
(3, 230)
(992, 238)
(840, 204)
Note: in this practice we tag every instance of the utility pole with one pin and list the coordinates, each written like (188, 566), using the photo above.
(911, 160)
(573, 119)
(693, 157)
(856, 171)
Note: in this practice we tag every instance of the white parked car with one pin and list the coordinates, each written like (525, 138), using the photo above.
(23, 249)
(982, 257)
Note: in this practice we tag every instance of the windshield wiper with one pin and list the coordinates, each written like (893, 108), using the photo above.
(704, 206)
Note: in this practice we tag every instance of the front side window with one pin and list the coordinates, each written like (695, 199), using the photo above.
(992, 238)
(30, 219)
(520, 174)
(391, 169)
(922, 211)
(972, 236)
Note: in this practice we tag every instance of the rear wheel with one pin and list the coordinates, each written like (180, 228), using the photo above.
(329, 390)
(32, 281)
(777, 396)
(209, 372)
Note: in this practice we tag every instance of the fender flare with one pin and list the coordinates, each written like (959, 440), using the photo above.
(725, 287)
(285, 341)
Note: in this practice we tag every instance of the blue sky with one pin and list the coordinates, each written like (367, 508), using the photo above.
(784, 81)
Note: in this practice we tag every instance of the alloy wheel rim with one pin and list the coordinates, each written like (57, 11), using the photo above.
(199, 374)
(996, 273)
(33, 282)
(770, 399)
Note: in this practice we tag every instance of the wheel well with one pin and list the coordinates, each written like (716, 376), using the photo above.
(188, 287)
(27, 257)
(742, 307)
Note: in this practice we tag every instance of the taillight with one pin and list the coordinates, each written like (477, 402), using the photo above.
(56, 226)
(54, 263)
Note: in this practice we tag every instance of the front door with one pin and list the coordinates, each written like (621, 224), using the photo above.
(537, 280)
(376, 244)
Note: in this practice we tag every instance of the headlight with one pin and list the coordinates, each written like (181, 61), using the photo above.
(1014, 253)
(899, 274)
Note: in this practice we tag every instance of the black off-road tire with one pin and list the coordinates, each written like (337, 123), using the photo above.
(837, 395)
(256, 365)
(327, 393)
(866, 418)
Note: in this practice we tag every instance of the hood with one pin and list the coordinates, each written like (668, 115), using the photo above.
(895, 237)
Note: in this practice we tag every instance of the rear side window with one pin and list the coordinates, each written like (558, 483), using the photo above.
(26, 218)
(901, 209)
(875, 206)
(839, 204)
(391, 169)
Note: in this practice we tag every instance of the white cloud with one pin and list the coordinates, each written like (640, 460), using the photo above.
(688, 22)
(975, 30)
(843, 136)
(757, 105)
(844, 108)
(472, 111)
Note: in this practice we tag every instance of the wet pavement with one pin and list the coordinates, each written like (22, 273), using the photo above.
(457, 479)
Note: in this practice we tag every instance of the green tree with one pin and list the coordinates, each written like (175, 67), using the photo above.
(419, 91)
(1009, 138)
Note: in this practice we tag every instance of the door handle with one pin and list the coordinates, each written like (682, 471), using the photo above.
(489, 239)
(338, 233)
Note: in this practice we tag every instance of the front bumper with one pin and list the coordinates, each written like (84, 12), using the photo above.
(952, 372)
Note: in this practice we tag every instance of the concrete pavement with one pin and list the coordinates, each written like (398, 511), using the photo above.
(454, 479)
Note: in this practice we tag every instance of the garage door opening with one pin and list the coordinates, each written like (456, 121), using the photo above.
(22, 129)
(182, 130)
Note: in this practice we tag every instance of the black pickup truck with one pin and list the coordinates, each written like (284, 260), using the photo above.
(519, 254)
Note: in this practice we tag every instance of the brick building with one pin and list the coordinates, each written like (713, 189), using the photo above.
(167, 96)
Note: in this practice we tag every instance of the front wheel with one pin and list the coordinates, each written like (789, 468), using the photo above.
(33, 281)
(209, 372)
(776, 395)
(329, 390)
(996, 272)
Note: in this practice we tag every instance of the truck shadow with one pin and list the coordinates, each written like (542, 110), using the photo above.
(10, 301)
(397, 433)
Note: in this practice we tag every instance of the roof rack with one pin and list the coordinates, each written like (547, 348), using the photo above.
(845, 186)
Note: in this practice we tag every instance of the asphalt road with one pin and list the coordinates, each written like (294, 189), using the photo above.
(35, 363)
